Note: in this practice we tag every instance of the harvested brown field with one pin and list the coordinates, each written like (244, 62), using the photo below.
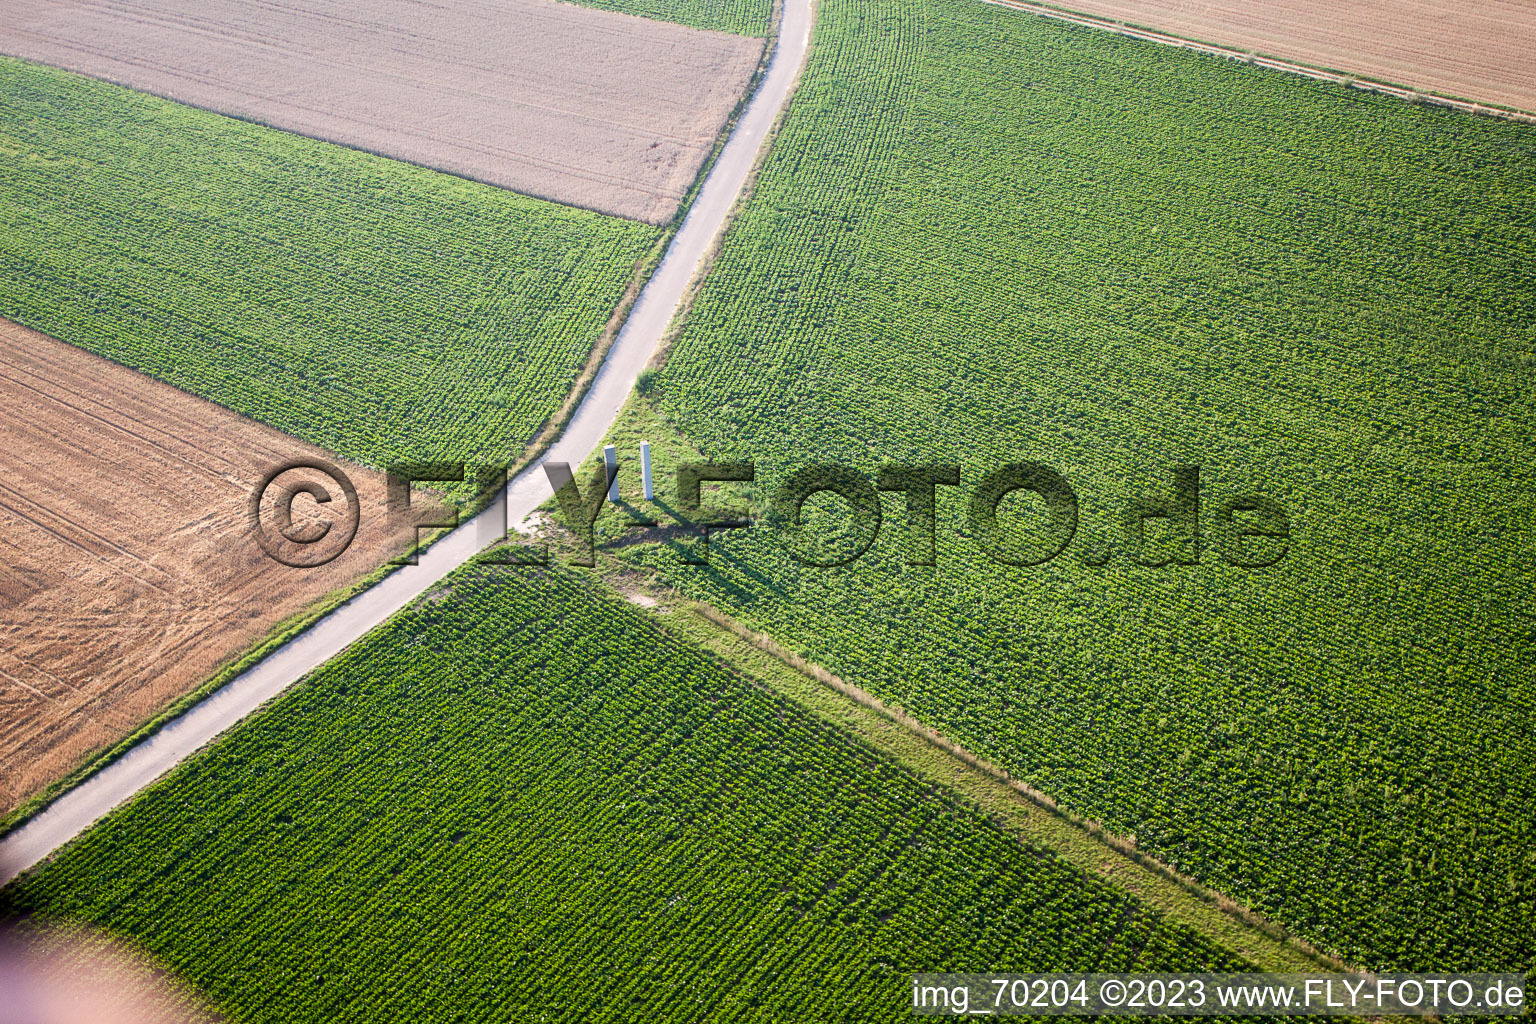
(1480, 50)
(129, 570)
(593, 108)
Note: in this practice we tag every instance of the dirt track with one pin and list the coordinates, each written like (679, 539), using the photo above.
(1480, 50)
(128, 573)
(598, 109)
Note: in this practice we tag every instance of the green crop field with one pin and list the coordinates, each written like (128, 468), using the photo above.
(983, 238)
(381, 310)
(520, 800)
(740, 17)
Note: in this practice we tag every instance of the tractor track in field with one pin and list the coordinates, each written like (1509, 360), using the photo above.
(76, 810)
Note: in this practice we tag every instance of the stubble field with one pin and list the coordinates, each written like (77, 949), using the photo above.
(129, 574)
(984, 237)
(592, 108)
(1473, 49)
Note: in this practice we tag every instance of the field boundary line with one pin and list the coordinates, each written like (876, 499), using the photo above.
(1352, 81)
(555, 425)
(1025, 813)
(748, 189)
(1036, 818)
(77, 809)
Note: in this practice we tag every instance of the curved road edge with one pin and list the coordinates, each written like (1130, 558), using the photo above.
(77, 809)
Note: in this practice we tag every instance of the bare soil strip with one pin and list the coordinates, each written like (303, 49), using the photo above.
(129, 573)
(592, 108)
(1474, 55)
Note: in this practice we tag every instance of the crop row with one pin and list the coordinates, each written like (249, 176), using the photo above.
(984, 238)
(740, 17)
(519, 798)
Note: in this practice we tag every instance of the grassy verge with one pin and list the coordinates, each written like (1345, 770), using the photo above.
(522, 778)
(738, 17)
(550, 431)
(1027, 814)
(1023, 812)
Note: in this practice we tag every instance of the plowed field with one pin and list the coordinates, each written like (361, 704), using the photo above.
(128, 572)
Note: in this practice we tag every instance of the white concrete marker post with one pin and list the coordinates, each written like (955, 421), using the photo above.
(645, 471)
(611, 462)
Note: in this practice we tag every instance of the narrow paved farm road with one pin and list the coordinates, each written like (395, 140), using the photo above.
(79, 808)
